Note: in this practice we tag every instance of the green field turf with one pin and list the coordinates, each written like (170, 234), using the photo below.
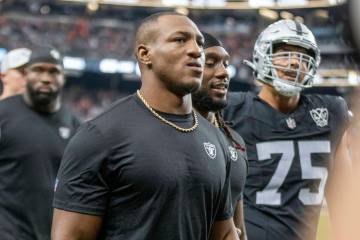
(324, 227)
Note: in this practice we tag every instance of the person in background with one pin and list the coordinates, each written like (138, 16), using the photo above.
(35, 128)
(296, 143)
(12, 72)
(209, 100)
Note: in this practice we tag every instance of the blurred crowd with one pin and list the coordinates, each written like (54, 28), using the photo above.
(104, 37)
(109, 33)
(88, 103)
(74, 37)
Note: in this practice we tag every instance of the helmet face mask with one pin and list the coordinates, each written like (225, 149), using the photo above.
(286, 57)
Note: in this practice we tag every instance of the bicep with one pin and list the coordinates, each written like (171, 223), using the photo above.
(74, 226)
(81, 180)
(239, 219)
(341, 194)
(340, 171)
(224, 230)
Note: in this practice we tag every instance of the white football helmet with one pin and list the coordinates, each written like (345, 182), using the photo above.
(287, 32)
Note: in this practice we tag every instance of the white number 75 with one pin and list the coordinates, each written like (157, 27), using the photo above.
(270, 195)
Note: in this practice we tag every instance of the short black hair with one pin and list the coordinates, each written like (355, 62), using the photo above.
(210, 40)
(145, 31)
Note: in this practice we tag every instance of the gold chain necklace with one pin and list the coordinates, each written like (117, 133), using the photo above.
(186, 130)
(215, 122)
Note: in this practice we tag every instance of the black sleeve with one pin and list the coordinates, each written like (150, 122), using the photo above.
(80, 185)
(342, 115)
(76, 122)
(225, 210)
(235, 101)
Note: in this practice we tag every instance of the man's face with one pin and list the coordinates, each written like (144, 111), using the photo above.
(15, 80)
(176, 54)
(45, 82)
(214, 87)
(289, 63)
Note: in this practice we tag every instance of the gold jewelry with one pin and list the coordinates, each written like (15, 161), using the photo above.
(186, 130)
(215, 122)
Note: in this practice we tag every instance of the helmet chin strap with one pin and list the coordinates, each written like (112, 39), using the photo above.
(286, 89)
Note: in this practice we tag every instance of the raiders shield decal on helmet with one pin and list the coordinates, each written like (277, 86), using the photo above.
(210, 149)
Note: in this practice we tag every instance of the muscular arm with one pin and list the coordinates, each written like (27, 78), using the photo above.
(224, 230)
(239, 219)
(74, 226)
(339, 187)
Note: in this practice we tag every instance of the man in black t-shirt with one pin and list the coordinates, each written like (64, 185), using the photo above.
(209, 100)
(296, 143)
(149, 167)
(34, 131)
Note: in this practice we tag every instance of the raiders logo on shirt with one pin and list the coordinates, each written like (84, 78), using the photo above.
(233, 153)
(320, 116)
(210, 149)
(64, 132)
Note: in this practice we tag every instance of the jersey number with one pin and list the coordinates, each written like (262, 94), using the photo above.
(270, 194)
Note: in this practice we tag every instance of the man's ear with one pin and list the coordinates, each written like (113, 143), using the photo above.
(143, 56)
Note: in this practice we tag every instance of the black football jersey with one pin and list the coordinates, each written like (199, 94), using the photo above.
(289, 156)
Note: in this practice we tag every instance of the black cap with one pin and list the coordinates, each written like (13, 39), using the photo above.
(210, 40)
(45, 54)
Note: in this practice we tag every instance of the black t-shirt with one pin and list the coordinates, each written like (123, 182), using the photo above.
(31, 147)
(238, 166)
(145, 178)
(289, 156)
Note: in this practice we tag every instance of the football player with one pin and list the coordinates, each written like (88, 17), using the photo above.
(296, 143)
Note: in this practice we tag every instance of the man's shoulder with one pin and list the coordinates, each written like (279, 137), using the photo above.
(236, 98)
(118, 110)
(121, 116)
(238, 104)
(334, 104)
(236, 136)
(11, 104)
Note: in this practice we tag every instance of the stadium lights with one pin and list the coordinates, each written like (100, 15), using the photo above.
(336, 2)
(182, 10)
(126, 67)
(217, 4)
(74, 63)
(261, 3)
(292, 2)
(353, 77)
(92, 5)
(286, 15)
(2, 53)
(320, 13)
(108, 65)
(268, 13)
(232, 71)
(137, 70)
(175, 3)
(208, 3)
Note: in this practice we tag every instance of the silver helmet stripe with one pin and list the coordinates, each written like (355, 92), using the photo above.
(298, 28)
